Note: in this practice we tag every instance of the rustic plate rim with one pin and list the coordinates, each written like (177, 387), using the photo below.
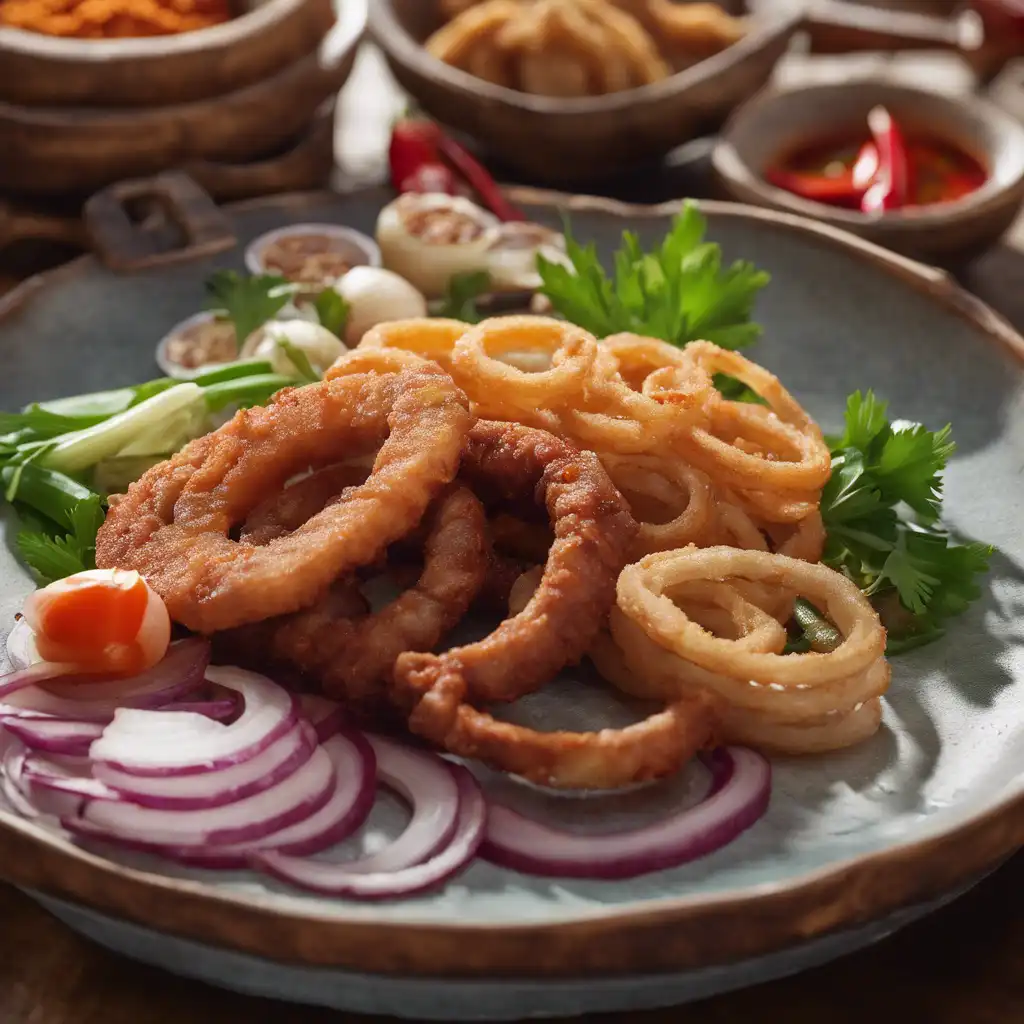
(670, 934)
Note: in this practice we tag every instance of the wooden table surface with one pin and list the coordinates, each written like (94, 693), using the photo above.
(963, 965)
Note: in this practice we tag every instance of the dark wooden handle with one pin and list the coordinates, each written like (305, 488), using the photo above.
(18, 224)
(838, 27)
(199, 228)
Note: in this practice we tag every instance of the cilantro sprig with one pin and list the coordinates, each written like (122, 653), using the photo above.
(53, 555)
(881, 511)
(679, 292)
(460, 298)
(248, 302)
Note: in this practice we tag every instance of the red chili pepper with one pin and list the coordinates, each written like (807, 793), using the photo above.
(419, 145)
(835, 190)
(413, 144)
(481, 181)
(891, 188)
(865, 167)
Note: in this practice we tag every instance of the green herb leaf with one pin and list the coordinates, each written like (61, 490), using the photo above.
(248, 302)
(54, 558)
(886, 482)
(298, 359)
(735, 390)
(332, 311)
(459, 302)
(679, 292)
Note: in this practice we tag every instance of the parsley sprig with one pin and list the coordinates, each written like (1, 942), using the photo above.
(678, 292)
(881, 510)
(248, 302)
(53, 556)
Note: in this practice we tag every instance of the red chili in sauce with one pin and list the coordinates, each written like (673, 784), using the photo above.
(879, 170)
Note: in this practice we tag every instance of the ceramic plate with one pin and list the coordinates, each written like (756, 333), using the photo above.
(850, 841)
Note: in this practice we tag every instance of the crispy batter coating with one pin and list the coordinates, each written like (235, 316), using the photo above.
(286, 511)
(174, 523)
(607, 759)
(593, 532)
(352, 656)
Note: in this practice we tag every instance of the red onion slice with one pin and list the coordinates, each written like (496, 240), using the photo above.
(22, 678)
(55, 735)
(12, 767)
(154, 743)
(218, 710)
(295, 799)
(179, 673)
(338, 880)
(282, 758)
(327, 715)
(71, 777)
(427, 784)
(354, 767)
(738, 797)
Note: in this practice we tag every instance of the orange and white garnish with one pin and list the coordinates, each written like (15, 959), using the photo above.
(106, 621)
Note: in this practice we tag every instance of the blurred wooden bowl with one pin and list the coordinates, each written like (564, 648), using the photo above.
(564, 140)
(266, 36)
(304, 164)
(777, 123)
(51, 151)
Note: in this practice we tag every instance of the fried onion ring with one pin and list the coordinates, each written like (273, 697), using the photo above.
(643, 597)
(352, 657)
(747, 446)
(593, 532)
(427, 337)
(503, 391)
(654, 678)
(651, 485)
(282, 513)
(374, 360)
(607, 759)
(173, 525)
(615, 415)
(664, 674)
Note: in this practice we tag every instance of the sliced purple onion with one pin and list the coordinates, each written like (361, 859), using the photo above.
(158, 744)
(21, 679)
(218, 710)
(353, 760)
(295, 799)
(281, 759)
(427, 784)
(327, 715)
(738, 796)
(12, 763)
(69, 776)
(338, 880)
(55, 735)
(96, 699)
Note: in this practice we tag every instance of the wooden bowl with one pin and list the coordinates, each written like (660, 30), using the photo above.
(57, 150)
(564, 140)
(304, 164)
(778, 122)
(265, 37)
